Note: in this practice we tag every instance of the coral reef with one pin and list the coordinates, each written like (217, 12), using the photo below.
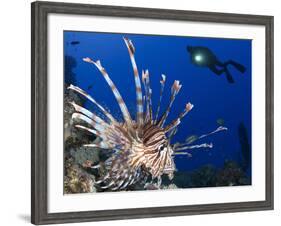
(231, 174)
(204, 177)
(76, 180)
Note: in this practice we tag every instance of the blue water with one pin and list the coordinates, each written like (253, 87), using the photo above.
(212, 96)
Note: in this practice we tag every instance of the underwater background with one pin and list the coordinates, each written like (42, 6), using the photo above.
(216, 101)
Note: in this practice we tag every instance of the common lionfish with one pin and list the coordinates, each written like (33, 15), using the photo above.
(141, 146)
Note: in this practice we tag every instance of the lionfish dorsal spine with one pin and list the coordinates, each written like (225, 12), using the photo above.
(172, 133)
(172, 125)
(139, 101)
(148, 93)
(116, 93)
(176, 121)
(174, 91)
(162, 83)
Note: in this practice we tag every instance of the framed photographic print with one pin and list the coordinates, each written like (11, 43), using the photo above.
(140, 112)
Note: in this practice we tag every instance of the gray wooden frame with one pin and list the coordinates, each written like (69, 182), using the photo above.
(39, 106)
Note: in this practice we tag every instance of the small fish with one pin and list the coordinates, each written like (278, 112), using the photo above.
(220, 121)
(90, 87)
(74, 43)
(203, 57)
(191, 139)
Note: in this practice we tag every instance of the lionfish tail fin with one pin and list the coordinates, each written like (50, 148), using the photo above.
(118, 97)
(139, 101)
(174, 91)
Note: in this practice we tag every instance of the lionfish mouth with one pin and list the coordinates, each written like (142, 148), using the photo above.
(142, 146)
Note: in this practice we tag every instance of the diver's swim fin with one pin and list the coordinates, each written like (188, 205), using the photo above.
(238, 66)
(229, 76)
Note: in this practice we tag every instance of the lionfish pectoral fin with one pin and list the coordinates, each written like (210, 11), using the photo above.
(88, 113)
(194, 138)
(97, 126)
(98, 182)
(205, 145)
(220, 128)
(183, 153)
(125, 184)
(108, 185)
(98, 130)
(95, 166)
(86, 95)
(101, 145)
(159, 182)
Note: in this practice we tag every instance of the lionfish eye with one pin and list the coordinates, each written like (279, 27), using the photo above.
(161, 147)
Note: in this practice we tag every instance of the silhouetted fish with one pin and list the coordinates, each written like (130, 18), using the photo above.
(191, 139)
(90, 87)
(220, 121)
(204, 57)
(74, 42)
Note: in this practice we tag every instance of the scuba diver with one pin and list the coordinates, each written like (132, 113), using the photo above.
(204, 57)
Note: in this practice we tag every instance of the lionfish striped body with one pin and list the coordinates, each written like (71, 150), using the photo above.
(142, 146)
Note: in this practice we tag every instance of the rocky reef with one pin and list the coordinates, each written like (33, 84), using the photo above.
(76, 179)
(231, 174)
